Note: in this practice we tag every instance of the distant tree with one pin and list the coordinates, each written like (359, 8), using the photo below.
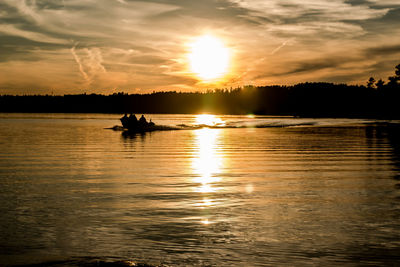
(397, 71)
(380, 84)
(393, 80)
(371, 82)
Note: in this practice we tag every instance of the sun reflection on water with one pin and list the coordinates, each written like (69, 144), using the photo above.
(205, 221)
(209, 120)
(207, 202)
(207, 163)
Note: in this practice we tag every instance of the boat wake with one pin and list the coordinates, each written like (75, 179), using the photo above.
(261, 123)
(154, 128)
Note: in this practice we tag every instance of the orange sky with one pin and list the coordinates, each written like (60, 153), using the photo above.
(106, 46)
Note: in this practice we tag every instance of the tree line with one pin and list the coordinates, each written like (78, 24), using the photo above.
(376, 99)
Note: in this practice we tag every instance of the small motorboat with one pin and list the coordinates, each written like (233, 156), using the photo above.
(132, 124)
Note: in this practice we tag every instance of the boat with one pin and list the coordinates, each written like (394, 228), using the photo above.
(133, 125)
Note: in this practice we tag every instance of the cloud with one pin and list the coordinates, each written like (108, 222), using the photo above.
(103, 45)
(316, 65)
(334, 18)
(386, 50)
(390, 3)
(324, 10)
(33, 36)
(80, 65)
(25, 9)
(279, 47)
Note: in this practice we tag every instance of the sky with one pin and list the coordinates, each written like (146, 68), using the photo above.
(107, 46)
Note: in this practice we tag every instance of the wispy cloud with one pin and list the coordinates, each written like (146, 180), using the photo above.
(279, 47)
(80, 65)
(30, 35)
(26, 9)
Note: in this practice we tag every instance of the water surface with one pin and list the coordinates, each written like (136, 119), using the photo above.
(271, 191)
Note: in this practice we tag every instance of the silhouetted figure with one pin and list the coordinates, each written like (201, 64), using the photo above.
(132, 121)
(142, 121)
(125, 121)
(132, 117)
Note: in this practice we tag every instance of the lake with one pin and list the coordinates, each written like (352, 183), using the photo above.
(253, 191)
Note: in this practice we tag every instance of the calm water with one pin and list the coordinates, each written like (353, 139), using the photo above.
(316, 192)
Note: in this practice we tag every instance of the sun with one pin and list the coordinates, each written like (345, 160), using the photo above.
(208, 57)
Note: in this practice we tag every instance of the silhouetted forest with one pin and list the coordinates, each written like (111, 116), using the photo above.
(376, 99)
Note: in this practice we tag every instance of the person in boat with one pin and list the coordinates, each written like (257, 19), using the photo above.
(142, 121)
(124, 120)
(132, 121)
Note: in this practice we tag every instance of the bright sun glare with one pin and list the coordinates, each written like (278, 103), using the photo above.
(209, 58)
(209, 120)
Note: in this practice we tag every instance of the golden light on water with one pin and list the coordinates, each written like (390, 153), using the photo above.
(207, 163)
(207, 202)
(205, 221)
(208, 57)
(209, 120)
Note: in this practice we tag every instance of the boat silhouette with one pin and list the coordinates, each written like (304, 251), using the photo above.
(132, 124)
